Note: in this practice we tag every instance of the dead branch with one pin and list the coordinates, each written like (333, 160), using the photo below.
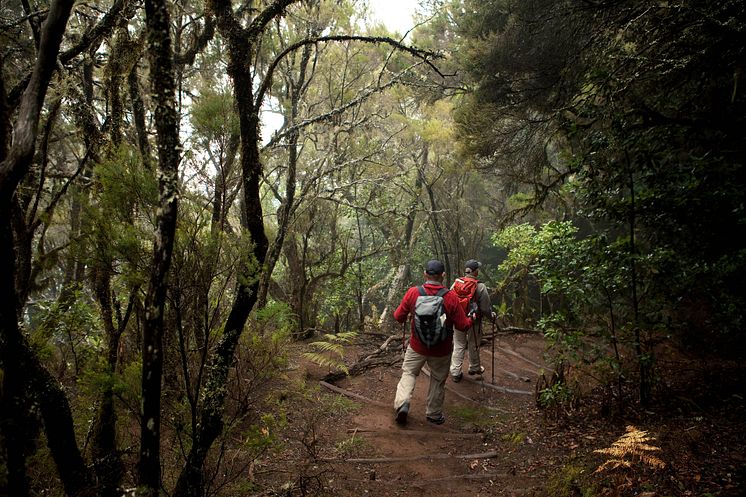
(516, 329)
(362, 366)
(382, 348)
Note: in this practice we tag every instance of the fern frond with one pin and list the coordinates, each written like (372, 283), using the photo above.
(630, 447)
(343, 336)
(330, 351)
(328, 347)
(326, 361)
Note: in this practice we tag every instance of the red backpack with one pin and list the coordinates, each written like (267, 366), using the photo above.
(465, 288)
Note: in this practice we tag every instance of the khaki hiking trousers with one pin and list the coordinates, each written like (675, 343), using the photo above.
(411, 367)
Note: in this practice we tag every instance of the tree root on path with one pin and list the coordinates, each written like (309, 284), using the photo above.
(499, 388)
(521, 357)
(488, 385)
(467, 476)
(405, 431)
(513, 375)
(352, 395)
(384, 460)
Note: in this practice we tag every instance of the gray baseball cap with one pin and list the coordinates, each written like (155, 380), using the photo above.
(473, 264)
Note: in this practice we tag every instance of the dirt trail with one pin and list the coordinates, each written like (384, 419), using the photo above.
(484, 448)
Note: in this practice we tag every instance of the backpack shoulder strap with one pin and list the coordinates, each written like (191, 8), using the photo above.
(422, 291)
(442, 292)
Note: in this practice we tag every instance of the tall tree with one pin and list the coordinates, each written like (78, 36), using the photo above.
(23, 373)
(163, 88)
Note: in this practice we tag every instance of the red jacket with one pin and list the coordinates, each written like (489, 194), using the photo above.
(454, 313)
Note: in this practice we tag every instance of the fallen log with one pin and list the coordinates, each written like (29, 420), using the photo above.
(516, 329)
(361, 366)
(488, 385)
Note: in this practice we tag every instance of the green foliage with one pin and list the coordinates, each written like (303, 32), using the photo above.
(260, 437)
(513, 438)
(122, 215)
(353, 446)
(556, 395)
(130, 381)
(278, 317)
(585, 286)
(335, 405)
(570, 481)
(214, 118)
(477, 418)
(647, 153)
(330, 352)
(67, 332)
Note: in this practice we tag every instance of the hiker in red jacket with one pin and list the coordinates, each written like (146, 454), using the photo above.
(475, 299)
(434, 309)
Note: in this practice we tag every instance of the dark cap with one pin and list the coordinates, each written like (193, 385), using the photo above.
(472, 264)
(434, 267)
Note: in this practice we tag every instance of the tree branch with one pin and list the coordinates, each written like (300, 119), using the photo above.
(424, 55)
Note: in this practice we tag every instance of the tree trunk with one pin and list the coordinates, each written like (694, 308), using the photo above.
(287, 206)
(23, 374)
(107, 462)
(138, 114)
(438, 232)
(396, 290)
(167, 126)
(643, 361)
(241, 50)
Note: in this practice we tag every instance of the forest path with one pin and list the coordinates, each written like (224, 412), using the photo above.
(484, 448)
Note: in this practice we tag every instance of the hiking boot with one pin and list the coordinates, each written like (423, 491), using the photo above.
(437, 420)
(401, 413)
(477, 371)
(457, 377)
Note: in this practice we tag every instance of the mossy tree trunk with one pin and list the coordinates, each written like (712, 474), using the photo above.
(163, 89)
(24, 379)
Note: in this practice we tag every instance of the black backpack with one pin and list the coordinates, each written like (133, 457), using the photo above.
(430, 318)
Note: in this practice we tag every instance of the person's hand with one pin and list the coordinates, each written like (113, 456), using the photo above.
(493, 316)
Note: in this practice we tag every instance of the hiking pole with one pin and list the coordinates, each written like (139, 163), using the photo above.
(479, 344)
(494, 333)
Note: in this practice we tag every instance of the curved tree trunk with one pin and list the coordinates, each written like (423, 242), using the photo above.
(23, 374)
(241, 49)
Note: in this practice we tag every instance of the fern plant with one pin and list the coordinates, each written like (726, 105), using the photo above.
(631, 447)
(330, 352)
